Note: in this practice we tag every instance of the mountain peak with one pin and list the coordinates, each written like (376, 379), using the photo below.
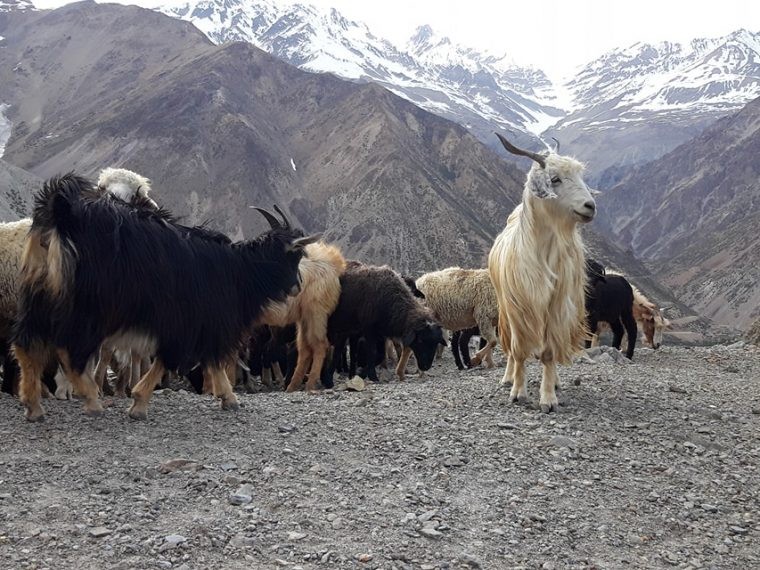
(16, 6)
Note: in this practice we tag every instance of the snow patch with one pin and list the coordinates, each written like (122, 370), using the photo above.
(293, 164)
(5, 128)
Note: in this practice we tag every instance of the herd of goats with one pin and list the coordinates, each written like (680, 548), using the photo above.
(102, 277)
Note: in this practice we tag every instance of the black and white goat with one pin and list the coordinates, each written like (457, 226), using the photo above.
(107, 271)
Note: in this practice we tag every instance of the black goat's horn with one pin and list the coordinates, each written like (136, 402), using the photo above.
(273, 221)
(284, 217)
(556, 148)
(514, 150)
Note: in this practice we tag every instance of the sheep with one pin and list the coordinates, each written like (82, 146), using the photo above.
(375, 303)
(108, 271)
(126, 185)
(537, 268)
(609, 298)
(320, 271)
(461, 299)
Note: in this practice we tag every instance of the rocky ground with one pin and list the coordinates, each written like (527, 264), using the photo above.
(653, 464)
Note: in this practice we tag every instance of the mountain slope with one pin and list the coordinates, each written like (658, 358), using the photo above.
(16, 187)
(219, 129)
(694, 215)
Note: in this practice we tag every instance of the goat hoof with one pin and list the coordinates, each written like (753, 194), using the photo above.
(34, 415)
(549, 408)
(231, 405)
(94, 411)
(137, 414)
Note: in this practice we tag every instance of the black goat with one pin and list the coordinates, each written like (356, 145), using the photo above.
(609, 298)
(96, 268)
(375, 304)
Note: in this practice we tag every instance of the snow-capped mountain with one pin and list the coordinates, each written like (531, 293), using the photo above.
(20, 5)
(637, 103)
(627, 106)
(481, 91)
(703, 76)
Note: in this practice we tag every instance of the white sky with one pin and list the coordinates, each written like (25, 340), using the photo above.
(554, 35)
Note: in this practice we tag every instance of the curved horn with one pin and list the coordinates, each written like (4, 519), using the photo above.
(284, 217)
(556, 148)
(274, 222)
(514, 150)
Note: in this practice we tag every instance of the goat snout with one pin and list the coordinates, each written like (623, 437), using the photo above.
(586, 214)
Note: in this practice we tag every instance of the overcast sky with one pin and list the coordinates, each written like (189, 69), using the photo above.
(554, 35)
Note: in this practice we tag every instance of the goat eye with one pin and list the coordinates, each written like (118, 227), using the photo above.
(556, 180)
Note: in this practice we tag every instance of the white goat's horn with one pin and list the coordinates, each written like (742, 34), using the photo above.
(514, 150)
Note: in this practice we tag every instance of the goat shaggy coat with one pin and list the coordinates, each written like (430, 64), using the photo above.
(538, 271)
(96, 268)
(309, 310)
(375, 303)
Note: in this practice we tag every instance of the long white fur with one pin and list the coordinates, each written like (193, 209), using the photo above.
(538, 271)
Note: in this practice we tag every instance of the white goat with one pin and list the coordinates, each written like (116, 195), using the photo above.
(538, 270)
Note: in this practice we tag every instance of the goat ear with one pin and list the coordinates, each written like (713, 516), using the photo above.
(541, 184)
(408, 338)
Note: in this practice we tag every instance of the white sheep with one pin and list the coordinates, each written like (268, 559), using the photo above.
(538, 270)
(461, 299)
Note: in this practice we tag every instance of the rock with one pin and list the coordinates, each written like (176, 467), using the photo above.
(364, 557)
(503, 425)
(470, 560)
(171, 542)
(242, 541)
(356, 384)
(562, 441)
(594, 352)
(677, 389)
(229, 466)
(453, 462)
(99, 532)
(430, 532)
(738, 530)
(426, 516)
(179, 465)
(293, 536)
(286, 428)
(232, 480)
(605, 359)
(242, 496)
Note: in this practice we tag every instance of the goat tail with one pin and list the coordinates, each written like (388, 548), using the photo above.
(49, 256)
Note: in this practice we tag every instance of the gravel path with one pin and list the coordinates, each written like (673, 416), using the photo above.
(647, 465)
